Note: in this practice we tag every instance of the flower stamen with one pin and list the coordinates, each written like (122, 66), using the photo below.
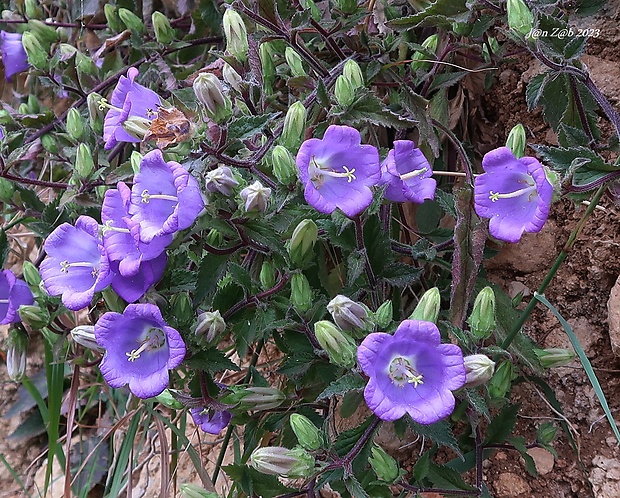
(154, 340)
(317, 172)
(413, 174)
(104, 104)
(108, 227)
(146, 197)
(495, 196)
(401, 372)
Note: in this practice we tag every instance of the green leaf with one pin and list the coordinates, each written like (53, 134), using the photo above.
(440, 13)
(534, 90)
(349, 382)
(502, 425)
(248, 126)
(439, 432)
(566, 160)
(401, 274)
(356, 263)
(519, 443)
(355, 488)
(418, 107)
(253, 483)
(240, 276)
(476, 400)
(211, 360)
(447, 478)
(4, 247)
(369, 109)
(212, 268)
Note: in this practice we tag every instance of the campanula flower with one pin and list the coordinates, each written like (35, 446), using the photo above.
(13, 294)
(14, 56)
(140, 348)
(129, 100)
(407, 174)
(514, 193)
(255, 197)
(210, 421)
(133, 287)
(221, 180)
(77, 264)
(411, 372)
(337, 171)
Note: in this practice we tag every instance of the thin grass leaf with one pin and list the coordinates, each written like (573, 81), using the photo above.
(122, 460)
(13, 473)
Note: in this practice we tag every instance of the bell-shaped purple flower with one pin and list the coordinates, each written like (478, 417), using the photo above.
(129, 100)
(77, 264)
(140, 348)
(210, 421)
(514, 193)
(165, 197)
(411, 372)
(131, 288)
(337, 171)
(407, 174)
(13, 294)
(14, 56)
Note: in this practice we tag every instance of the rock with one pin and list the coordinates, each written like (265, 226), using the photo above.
(543, 459)
(605, 74)
(605, 477)
(509, 484)
(613, 317)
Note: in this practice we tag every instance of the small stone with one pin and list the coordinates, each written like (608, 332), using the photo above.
(510, 484)
(543, 460)
(613, 317)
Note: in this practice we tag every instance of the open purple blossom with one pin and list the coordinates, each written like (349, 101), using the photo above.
(140, 348)
(165, 197)
(14, 56)
(121, 236)
(129, 100)
(407, 174)
(77, 264)
(337, 171)
(13, 294)
(411, 372)
(210, 421)
(133, 287)
(514, 193)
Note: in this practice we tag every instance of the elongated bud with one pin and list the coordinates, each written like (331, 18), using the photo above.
(307, 433)
(430, 44)
(267, 276)
(182, 308)
(209, 91)
(84, 164)
(520, 18)
(384, 315)
(256, 197)
(353, 73)
(294, 127)
(33, 9)
(49, 143)
(137, 126)
(44, 33)
(479, 369)
(516, 141)
(135, 159)
(75, 124)
(84, 335)
(301, 246)
(501, 381)
(34, 316)
(428, 308)
(232, 77)
(344, 91)
(167, 399)
(554, 357)
(347, 314)
(37, 55)
(94, 114)
(16, 350)
(294, 62)
(164, 33)
(284, 462)
(221, 180)
(284, 167)
(131, 20)
(85, 64)
(340, 348)
(236, 35)
(210, 325)
(215, 237)
(265, 52)
(301, 293)
(545, 434)
(482, 318)
(112, 18)
(383, 464)
(189, 490)
(255, 398)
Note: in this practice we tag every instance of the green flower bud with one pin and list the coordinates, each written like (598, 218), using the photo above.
(500, 383)
(84, 335)
(347, 314)
(301, 246)
(294, 127)
(16, 350)
(34, 316)
(164, 33)
(546, 432)
(209, 91)
(49, 143)
(482, 318)
(294, 62)
(308, 434)
(5, 117)
(284, 462)
(66, 51)
(6, 190)
(112, 18)
(137, 126)
(85, 64)
(344, 91)
(167, 399)
(284, 167)
(132, 21)
(427, 309)
(346, 6)
(479, 369)
(383, 464)
(215, 237)
(94, 115)
(232, 77)
(236, 35)
(182, 308)
(384, 315)
(430, 44)
(340, 348)
(84, 164)
(189, 490)
(210, 325)
(516, 141)
(353, 73)
(265, 52)
(554, 357)
(267, 276)
(32, 9)
(520, 18)
(301, 293)
(135, 159)
(37, 55)
(31, 274)
(255, 398)
(75, 125)
(44, 33)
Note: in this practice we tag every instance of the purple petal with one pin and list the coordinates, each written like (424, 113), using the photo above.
(132, 288)
(14, 56)
(210, 423)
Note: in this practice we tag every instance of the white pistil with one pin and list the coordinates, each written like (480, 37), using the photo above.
(104, 104)
(402, 372)
(495, 196)
(154, 340)
(413, 174)
(108, 226)
(65, 265)
(146, 197)
(317, 172)
(4, 301)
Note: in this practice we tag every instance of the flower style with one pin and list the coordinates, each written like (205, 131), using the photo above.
(140, 348)
(14, 56)
(337, 171)
(165, 197)
(77, 264)
(411, 372)
(407, 174)
(129, 100)
(514, 193)
(133, 287)
(13, 294)
(211, 422)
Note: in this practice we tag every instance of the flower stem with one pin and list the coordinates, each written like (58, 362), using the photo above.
(359, 239)
(467, 166)
(346, 460)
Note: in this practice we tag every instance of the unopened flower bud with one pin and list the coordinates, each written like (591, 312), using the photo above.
(284, 167)
(301, 293)
(301, 246)
(353, 73)
(384, 315)
(94, 115)
(33, 9)
(16, 350)
(344, 91)
(255, 197)
(34, 316)
(182, 308)
(84, 335)
(347, 313)
(482, 318)
(31, 274)
(267, 276)
(232, 77)
(236, 35)
(37, 55)
(479, 369)
(307, 433)
(516, 141)
(255, 398)
(113, 20)
(137, 126)
(430, 44)
(265, 52)
(546, 432)
(168, 400)
(44, 33)
(221, 180)
(340, 348)
(215, 237)
(75, 124)
(383, 464)
(520, 18)
(294, 127)
(135, 159)
(209, 91)
(164, 33)
(132, 21)
(84, 164)
(210, 325)
(428, 308)
(294, 62)
(284, 462)
(189, 490)
(501, 381)
(554, 357)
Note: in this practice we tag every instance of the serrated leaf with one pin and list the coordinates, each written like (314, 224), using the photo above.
(297, 364)
(446, 201)
(254, 483)
(369, 109)
(444, 477)
(439, 432)
(248, 126)
(502, 425)
(477, 401)
(211, 360)
(400, 274)
(519, 443)
(212, 268)
(356, 262)
(349, 382)
(534, 90)
(569, 136)
(355, 488)
(440, 13)
(240, 276)
(4, 247)
(418, 107)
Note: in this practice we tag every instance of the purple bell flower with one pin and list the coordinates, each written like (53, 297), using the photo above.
(131, 288)
(210, 421)
(165, 197)
(140, 348)
(407, 174)
(13, 294)
(411, 372)
(338, 171)
(77, 264)
(514, 193)
(129, 100)
(14, 56)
